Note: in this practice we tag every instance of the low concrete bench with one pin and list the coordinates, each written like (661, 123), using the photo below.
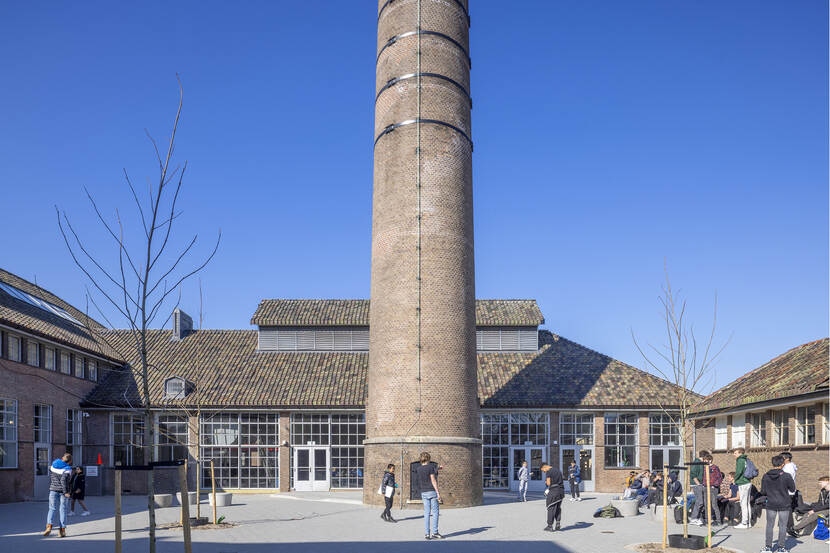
(626, 507)
(223, 499)
(163, 499)
(192, 497)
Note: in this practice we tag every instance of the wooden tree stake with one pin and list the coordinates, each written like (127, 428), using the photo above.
(213, 490)
(185, 508)
(117, 511)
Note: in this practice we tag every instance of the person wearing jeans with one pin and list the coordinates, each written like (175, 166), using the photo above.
(59, 491)
(698, 488)
(777, 486)
(426, 478)
(524, 476)
(744, 487)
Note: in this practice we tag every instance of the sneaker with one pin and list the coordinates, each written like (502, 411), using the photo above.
(48, 530)
(766, 549)
(437, 536)
(71, 513)
(427, 537)
(548, 528)
(85, 514)
(782, 549)
(695, 521)
(741, 526)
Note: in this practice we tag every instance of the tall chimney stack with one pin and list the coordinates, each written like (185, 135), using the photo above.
(422, 353)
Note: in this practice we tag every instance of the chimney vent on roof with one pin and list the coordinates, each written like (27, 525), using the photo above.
(182, 324)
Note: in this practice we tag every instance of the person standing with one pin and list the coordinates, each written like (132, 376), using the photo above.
(777, 486)
(574, 478)
(426, 477)
(554, 495)
(791, 469)
(523, 476)
(59, 491)
(744, 483)
(698, 488)
(78, 486)
(387, 488)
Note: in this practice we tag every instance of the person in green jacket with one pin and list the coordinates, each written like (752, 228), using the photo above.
(744, 486)
(696, 478)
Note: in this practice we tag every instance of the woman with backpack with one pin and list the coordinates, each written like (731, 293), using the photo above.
(745, 471)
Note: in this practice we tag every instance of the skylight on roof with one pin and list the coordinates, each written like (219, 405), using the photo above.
(37, 302)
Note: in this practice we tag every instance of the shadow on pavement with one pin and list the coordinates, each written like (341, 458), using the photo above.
(37, 544)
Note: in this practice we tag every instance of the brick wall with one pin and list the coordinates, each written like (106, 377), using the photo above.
(29, 385)
(812, 459)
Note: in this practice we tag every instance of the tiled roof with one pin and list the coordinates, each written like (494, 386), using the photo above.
(280, 312)
(27, 317)
(566, 374)
(228, 371)
(799, 371)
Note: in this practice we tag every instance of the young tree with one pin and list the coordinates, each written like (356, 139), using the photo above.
(142, 277)
(684, 361)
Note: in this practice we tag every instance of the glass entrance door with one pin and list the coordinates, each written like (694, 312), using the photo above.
(42, 464)
(664, 455)
(584, 456)
(311, 469)
(535, 457)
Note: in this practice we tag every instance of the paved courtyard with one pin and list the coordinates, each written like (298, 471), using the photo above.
(338, 523)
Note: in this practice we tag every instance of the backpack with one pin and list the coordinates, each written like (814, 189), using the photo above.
(609, 511)
(821, 532)
(715, 476)
(750, 471)
(678, 514)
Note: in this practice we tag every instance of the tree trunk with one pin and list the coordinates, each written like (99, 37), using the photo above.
(149, 440)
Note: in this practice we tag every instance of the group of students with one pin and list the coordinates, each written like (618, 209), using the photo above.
(733, 497)
(65, 484)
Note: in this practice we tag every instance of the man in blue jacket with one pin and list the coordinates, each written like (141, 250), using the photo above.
(60, 474)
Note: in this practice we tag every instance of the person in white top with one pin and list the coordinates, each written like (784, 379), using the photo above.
(523, 476)
(791, 469)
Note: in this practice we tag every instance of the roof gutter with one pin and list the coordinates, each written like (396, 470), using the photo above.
(780, 402)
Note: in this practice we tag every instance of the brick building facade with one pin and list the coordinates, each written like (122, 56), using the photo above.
(780, 406)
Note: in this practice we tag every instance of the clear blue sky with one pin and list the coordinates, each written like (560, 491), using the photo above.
(609, 136)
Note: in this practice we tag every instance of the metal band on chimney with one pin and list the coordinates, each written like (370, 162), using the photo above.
(458, 3)
(394, 126)
(448, 38)
(393, 82)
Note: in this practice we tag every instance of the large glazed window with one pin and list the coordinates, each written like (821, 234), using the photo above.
(127, 439)
(171, 438)
(620, 440)
(244, 449)
(576, 428)
(8, 433)
(529, 428)
(75, 434)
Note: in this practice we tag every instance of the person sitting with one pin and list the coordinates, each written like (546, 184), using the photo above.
(811, 511)
(655, 491)
(627, 482)
(728, 500)
(634, 487)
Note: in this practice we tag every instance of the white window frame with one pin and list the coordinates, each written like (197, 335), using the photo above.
(42, 423)
(92, 370)
(780, 428)
(10, 434)
(180, 394)
(801, 428)
(32, 347)
(49, 358)
(825, 412)
(13, 347)
(133, 421)
(739, 430)
(606, 434)
(758, 428)
(721, 433)
(176, 438)
(75, 434)
(66, 363)
(79, 366)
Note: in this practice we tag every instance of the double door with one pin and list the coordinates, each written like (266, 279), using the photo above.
(311, 469)
(536, 456)
(584, 457)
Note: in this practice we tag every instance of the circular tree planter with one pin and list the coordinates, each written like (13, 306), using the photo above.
(223, 499)
(193, 497)
(626, 507)
(163, 499)
(691, 542)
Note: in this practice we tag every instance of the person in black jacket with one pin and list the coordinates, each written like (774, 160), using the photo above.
(78, 486)
(554, 495)
(387, 487)
(777, 486)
